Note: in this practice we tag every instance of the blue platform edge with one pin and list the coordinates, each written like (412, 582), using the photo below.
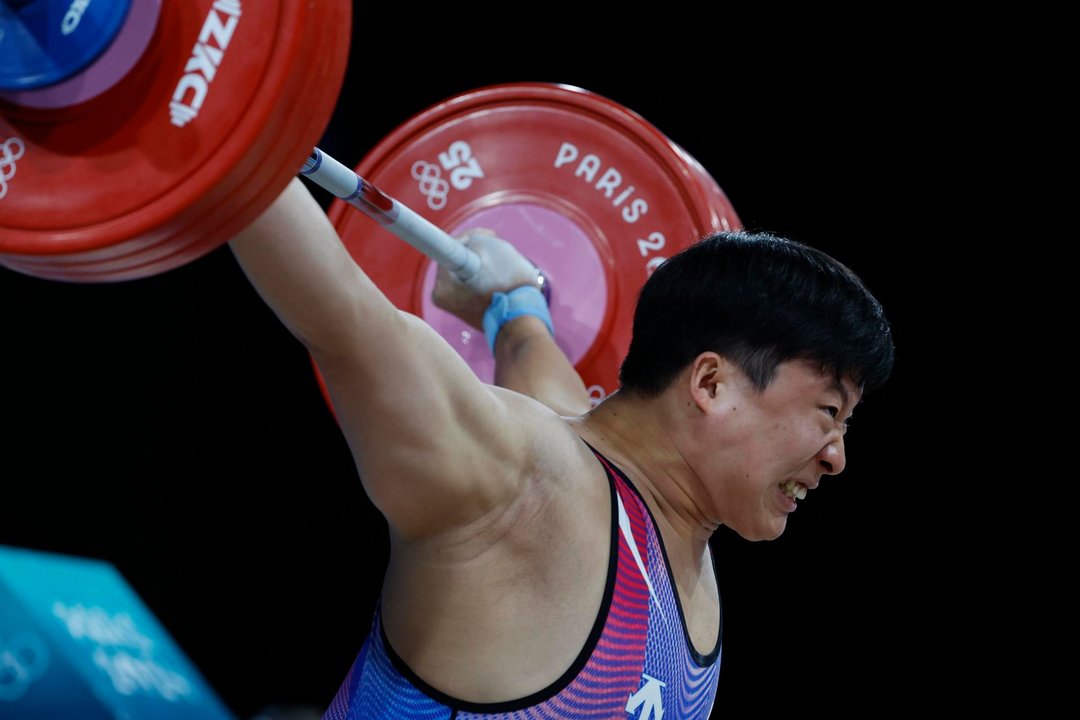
(76, 641)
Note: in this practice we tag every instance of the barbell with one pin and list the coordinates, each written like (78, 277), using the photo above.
(137, 136)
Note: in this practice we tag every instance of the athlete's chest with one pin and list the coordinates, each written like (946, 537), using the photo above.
(674, 573)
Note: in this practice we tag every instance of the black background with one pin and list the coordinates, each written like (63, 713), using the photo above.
(172, 427)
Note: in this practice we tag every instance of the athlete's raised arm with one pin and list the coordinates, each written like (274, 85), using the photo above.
(419, 422)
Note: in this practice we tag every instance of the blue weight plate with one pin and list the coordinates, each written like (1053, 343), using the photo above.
(43, 42)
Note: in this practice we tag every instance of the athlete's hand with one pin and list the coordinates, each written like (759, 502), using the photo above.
(502, 268)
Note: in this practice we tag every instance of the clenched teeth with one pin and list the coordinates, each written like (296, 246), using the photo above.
(794, 489)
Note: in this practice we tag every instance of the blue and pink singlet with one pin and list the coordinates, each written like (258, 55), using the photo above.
(637, 663)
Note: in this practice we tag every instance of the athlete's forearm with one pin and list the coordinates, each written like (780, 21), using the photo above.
(529, 361)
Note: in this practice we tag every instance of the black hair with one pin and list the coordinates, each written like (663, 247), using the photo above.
(757, 299)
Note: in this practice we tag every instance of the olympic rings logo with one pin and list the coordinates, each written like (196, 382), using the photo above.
(23, 659)
(430, 183)
(10, 151)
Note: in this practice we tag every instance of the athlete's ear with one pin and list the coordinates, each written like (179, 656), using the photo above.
(708, 377)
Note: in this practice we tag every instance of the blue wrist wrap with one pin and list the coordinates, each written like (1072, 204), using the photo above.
(524, 300)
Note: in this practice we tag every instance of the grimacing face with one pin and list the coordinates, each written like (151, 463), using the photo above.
(774, 446)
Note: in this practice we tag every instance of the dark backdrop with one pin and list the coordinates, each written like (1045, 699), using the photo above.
(172, 427)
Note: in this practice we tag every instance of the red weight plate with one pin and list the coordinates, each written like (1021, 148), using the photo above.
(207, 129)
(589, 190)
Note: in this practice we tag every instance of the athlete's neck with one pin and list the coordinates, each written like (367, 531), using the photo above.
(640, 435)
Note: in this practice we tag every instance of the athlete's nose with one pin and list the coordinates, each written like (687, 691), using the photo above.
(832, 458)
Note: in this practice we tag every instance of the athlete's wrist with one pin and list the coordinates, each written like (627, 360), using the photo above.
(521, 301)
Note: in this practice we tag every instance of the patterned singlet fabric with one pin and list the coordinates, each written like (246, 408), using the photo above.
(638, 662)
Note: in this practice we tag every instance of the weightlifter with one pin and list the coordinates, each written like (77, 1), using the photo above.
(548, 559)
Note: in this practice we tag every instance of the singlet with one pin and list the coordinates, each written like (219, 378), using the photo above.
(638, 662)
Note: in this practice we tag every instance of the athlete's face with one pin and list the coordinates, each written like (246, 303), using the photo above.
(773, 446)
